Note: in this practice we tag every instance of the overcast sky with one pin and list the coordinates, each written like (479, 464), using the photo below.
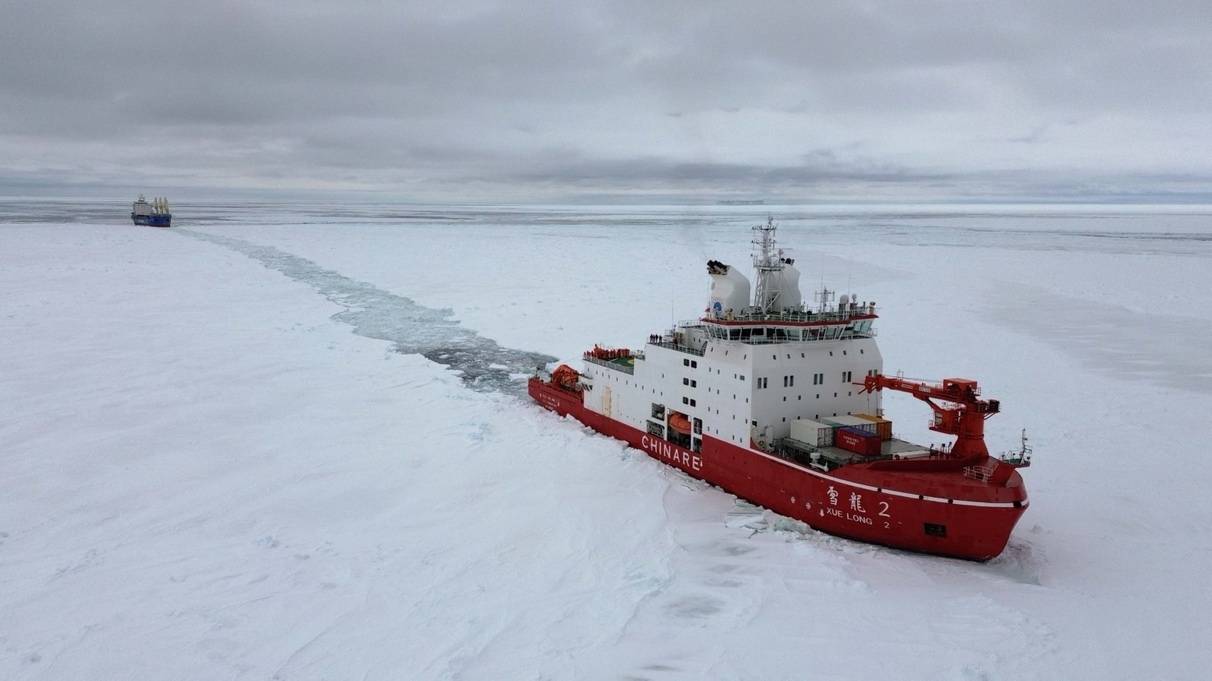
(520, 101)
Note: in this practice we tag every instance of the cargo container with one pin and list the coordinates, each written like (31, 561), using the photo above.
(857, 441)
(883, 427)
(851, 422)
(812, 433)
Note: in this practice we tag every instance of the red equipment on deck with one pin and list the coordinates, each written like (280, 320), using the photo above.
(962, 415)
(566, 377)
(599, 352)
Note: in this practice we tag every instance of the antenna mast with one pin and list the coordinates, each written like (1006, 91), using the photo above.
(825, 296)
(767, 262)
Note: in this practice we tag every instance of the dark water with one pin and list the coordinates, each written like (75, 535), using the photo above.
(482, 363)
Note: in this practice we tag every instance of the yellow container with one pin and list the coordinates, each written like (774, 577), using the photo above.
(883, 427)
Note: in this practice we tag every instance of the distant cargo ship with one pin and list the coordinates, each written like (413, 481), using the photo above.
(154, 213)
(778, 402)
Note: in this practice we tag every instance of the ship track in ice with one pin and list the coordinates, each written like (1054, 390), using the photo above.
(482, 363)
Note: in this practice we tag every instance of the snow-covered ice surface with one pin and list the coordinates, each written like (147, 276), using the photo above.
(286, 443)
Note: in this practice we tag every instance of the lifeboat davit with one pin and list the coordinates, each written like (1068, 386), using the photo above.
(679, 422)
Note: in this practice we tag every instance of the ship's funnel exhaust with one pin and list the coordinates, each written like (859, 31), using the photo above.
(729, 290)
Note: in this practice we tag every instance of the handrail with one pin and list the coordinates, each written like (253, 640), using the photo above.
(676, 346)
(831, 317)
(982, 473)
(611, 365)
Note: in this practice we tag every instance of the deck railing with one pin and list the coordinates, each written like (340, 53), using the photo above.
(832, 316)
(677, 346)
(612, 365)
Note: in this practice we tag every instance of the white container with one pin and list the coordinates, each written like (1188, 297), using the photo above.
(853, 422)
(812, 432)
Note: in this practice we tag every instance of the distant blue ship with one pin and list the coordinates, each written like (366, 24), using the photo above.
(154, 214)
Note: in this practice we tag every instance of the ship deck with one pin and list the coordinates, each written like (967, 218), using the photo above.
(834, 457)
(624, 364)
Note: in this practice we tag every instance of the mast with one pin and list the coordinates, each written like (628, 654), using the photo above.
(767, 264)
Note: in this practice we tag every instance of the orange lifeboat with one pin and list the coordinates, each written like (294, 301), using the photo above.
(565, 377)
(679, 422)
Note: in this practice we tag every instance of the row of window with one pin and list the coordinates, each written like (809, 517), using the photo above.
(817, 379)
(803, 356)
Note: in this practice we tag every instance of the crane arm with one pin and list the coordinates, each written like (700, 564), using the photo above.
(956, 403)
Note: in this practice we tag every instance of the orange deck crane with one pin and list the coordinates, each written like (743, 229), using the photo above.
(957, 406)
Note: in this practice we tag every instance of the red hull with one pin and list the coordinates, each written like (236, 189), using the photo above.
(930, 511)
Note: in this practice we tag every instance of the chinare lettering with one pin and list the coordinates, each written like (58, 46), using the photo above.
(669, 452)
(782, 394)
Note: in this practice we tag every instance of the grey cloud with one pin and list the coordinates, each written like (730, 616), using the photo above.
(504, 98)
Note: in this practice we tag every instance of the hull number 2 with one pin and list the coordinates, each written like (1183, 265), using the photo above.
(856, 513)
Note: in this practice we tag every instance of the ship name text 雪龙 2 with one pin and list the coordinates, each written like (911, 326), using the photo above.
(855, 513)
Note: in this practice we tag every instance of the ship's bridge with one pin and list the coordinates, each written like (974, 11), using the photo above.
(755, 327)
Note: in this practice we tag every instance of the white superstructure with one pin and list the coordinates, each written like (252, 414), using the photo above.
(157, 206)
(751, 367)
